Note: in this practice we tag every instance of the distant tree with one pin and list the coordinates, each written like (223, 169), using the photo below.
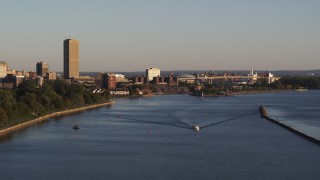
(97, 98)
(45, 101)
(77, 100)
(22, 109)
(76, 88)
(3, 117)
(88, 98)
(276, 85)
(7, 101)
(297, 82)
(261, 83)
(60, 86)
(27, 86)
(56, 100)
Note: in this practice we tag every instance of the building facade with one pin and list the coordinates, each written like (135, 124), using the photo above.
(71, 58)
(140, 80)
(159, 80)
(3, 69)
(109, 81)
(152, 72)
(52, 75)
(42, 69)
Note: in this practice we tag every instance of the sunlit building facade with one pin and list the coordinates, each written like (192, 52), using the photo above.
(71, 58)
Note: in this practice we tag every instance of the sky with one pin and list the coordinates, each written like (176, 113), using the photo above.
(131, 35)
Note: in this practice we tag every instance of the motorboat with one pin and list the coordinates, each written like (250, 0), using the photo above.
(196, 128)
(76, 126)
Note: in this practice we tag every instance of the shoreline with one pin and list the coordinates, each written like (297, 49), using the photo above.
(246, 93)
(45, 117)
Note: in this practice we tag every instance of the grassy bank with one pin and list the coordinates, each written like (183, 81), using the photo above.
(45, 117)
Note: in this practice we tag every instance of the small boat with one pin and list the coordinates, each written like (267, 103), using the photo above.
(76, 126)
(196, 128)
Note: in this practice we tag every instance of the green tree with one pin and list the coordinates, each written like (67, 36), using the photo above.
(60, 86)
(3, 117)
(7, 103)
(56, 100)
(27, 86)
(88, 98)
(22, 109)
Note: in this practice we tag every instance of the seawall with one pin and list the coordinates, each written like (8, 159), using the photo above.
(264, 114)
(55, 114)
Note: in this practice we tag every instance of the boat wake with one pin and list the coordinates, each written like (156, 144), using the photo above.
(180, 124)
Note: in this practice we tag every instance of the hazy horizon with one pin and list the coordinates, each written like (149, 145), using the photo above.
(130, 36)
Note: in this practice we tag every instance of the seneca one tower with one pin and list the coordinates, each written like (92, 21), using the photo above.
(70, 58)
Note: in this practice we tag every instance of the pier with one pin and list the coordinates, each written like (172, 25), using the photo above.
(264, 114)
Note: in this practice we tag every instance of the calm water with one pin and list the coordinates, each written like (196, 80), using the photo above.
(150, 138)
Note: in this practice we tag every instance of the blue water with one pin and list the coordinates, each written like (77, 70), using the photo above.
(299, 110)
(151, 138)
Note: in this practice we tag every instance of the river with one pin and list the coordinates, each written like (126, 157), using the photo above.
(152, 138)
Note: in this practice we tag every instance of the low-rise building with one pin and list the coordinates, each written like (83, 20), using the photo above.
(52, 75)
(109, 81)
(159, 80)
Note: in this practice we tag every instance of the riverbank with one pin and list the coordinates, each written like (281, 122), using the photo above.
(55, 114)
(247, 92)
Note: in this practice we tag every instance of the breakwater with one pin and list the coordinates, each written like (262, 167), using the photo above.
(264, 114)
(55, 114)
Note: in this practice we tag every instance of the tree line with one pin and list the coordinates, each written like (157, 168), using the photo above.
(285, 83)
(29, 101)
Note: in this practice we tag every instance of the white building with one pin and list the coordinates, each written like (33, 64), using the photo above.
(121, 78)
(152, 72)
(253, 77)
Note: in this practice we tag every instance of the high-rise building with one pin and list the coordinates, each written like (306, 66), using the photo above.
(152, 72)
(42, 69)
(3, 69)
(70, 58)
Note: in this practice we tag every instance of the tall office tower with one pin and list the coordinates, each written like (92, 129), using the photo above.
(42, 69)
(152, 72)
(3, 69)
(70, 58)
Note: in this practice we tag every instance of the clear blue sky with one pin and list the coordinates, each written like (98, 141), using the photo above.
(130, 35)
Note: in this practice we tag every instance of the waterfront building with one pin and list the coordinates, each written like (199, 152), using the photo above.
(42, 69)
(171, 80)
(83, 79)
(159, 80)
(270, 77)
(140, 80)
(152, 72)
(253, 77)
(109, 81)
(120, 78)
(3, 69)
(187, 78)
(71, 58)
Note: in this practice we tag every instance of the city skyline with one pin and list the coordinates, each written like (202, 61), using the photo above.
(170, 35)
